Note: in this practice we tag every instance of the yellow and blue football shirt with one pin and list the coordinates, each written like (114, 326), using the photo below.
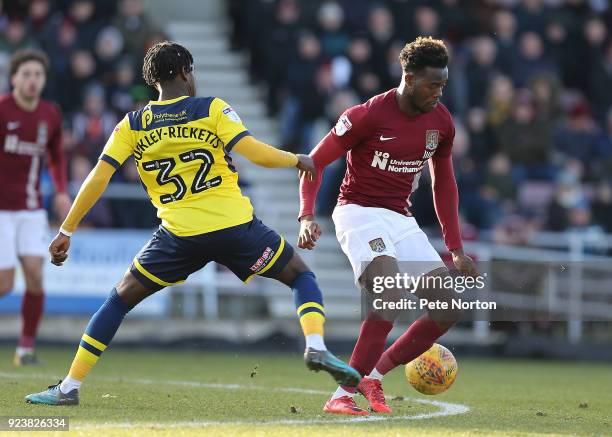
(181, 149)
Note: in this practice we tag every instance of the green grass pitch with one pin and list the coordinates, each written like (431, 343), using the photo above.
(151, 392)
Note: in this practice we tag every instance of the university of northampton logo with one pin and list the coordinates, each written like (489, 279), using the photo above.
(431, 139)
(378, 245)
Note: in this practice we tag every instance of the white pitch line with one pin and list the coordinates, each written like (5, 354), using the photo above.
(445, 408)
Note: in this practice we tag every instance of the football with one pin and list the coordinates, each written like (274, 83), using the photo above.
(433, 372)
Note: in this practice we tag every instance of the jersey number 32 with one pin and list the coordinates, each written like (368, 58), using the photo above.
(166, 165)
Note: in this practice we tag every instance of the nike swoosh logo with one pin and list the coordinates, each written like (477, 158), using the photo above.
(12, 125)
(383, 138)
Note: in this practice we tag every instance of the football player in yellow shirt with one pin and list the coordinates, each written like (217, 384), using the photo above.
(181, 145)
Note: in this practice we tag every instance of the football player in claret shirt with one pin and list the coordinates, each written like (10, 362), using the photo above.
(181, 145)
(30, 135)
(387, 141)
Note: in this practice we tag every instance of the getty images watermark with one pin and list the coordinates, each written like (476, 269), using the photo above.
(419, 285)
(502, 291)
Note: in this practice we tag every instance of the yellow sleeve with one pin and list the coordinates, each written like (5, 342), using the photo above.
(229, 125)
(89, 193)
(264, 155)
(120, 144)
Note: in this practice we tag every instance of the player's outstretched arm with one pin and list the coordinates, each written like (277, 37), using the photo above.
(264, 155)
(89, 193)
(326, 152)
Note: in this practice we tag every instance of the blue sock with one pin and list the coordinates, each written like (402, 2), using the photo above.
(309, 306)
(98, 334)
(105, 323)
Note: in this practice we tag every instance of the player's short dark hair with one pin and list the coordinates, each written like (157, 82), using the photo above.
(25, 55)
(423, 52)
(164, 61)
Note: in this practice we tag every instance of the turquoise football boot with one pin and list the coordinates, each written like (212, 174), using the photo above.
(54, 396)
(324, 360)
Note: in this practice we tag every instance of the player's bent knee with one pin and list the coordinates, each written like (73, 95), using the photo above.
(294, 268)
(132, 291)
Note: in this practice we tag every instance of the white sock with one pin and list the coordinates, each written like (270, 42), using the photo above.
(375, 374)
(69, 384)
(315, 341)
(21, 351)
(342, 392)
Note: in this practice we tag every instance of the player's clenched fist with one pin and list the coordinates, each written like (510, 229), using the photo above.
(310, 231)
(59, 249)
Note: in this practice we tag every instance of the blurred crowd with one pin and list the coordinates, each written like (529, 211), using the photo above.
(530, 89)
(96, 50)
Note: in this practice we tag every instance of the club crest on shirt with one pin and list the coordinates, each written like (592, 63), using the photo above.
(431, 139)
(378, 245)
(343, 125)
(229, 112)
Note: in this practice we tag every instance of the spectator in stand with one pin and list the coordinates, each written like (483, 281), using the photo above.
(359, 56)
(334, 38)
(381, 32)
(3, 18)
(82, 71)
(545, 91)
(480, 70)
(603, 166)
(526, 140)
(109, 44)
(500, 98)
(505, 37)
(455, 21)
(299, 83)
(426, 22)
(602, 206)
(600, 83)
(282, 35)
(39, 16)
(82, 14)
(94, 124)
(16, 37)
(122, 92)
(569, 195)
(531, 16)
(532, 60)
(468, 176)
(499, 189)
(596, 36)
(576, 136)
(356, 14)
(482, 139)
(134, 25)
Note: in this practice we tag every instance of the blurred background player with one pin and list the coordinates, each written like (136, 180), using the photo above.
(388, 140)
(181, 146)
(30, 132)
